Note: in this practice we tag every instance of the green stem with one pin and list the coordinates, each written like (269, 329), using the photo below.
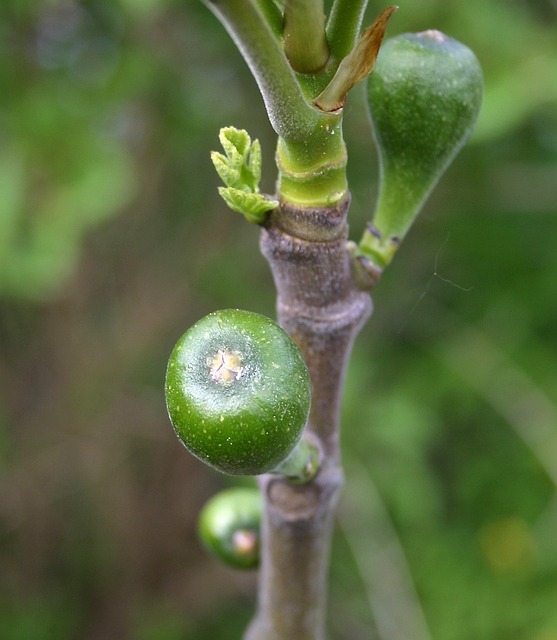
(311, 155)
(305, 43)
(344, 26)
(272, 15)
(290, 115)
(313, 172)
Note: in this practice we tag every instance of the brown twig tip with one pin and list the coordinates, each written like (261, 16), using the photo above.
(357, 65)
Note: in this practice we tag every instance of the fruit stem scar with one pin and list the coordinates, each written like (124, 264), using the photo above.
(225, 366)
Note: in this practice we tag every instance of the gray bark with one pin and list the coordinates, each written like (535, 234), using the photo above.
(320, 306)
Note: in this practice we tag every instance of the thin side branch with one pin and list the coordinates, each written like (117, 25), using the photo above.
(305, 43)
(344, 26)
(272, 14)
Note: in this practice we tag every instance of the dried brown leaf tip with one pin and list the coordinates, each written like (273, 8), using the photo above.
(357, 65)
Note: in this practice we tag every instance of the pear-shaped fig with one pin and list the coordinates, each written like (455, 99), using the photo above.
(424, 96)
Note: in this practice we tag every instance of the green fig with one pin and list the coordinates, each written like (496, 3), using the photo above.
(424, 96)
(238, 392)
(229, 526)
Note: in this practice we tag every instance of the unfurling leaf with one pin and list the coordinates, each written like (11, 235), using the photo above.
(240, 170)
(253, 206)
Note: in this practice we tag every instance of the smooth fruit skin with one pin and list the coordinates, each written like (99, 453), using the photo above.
(424, 96)
(238, 392)
(229, 526)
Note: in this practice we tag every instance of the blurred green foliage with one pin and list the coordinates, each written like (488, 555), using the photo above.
(62, 167)
(113, 240)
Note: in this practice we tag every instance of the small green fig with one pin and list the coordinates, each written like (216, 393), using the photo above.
(238, 392)
(229, 526)
(424, 96)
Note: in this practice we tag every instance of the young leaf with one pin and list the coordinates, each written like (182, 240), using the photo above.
(253, 206)
(254, 163)
(235, 142)
(228, 174)
(240, 170)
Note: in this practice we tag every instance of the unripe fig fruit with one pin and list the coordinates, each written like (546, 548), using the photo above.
(238, 392)
(229, 526)
(424, 96)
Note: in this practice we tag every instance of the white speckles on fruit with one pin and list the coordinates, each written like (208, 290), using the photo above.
(424, 96)
(238, 392)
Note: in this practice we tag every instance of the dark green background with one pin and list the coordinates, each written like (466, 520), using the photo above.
(113, 241)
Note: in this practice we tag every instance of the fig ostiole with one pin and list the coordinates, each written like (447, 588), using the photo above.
(229, 526)
(238, 395)
(424, 96)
